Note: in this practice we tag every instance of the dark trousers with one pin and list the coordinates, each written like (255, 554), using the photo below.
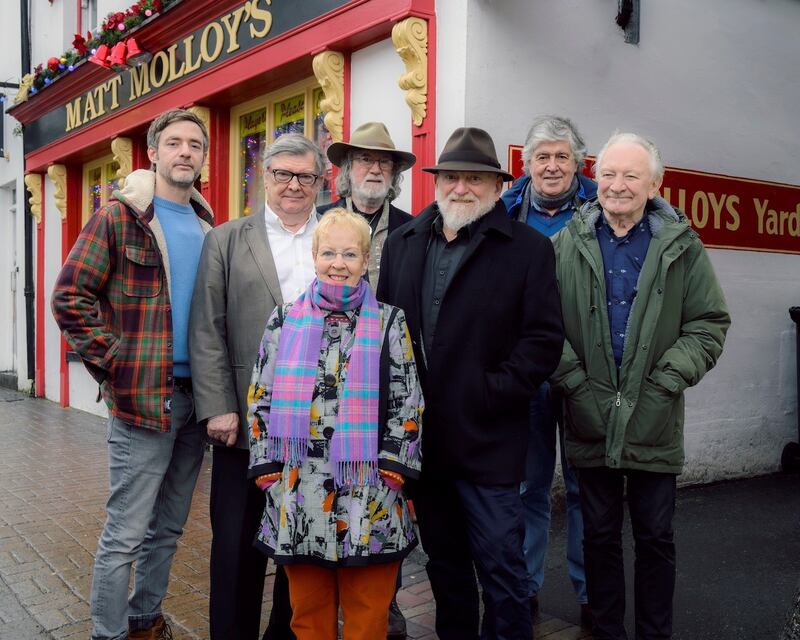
(237, 568)
(462, 523)
(651, 503)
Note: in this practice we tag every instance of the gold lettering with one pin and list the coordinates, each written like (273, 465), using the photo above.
(174, 73)
(113, 85)
(74, 114)
(734, 214)
(784, 218)
(260, 14)
(187, 53)
(233, 29)
(100, 95)
(700, 219)
(681, 199)
(140, 81)
(89, 108)
(761, 209)
(772, 222)
(159, 65)
(794, 222)
(716, 208)
(218, 42)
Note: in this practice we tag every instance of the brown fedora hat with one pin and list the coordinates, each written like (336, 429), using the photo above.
(370, 136)
(469, 149)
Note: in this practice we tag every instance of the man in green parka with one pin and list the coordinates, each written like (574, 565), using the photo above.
(644, 319)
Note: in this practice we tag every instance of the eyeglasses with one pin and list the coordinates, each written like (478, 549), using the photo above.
(363, 159)
(283, 176)
(347, 256)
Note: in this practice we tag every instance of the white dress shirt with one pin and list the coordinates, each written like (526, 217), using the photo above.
(291, 251)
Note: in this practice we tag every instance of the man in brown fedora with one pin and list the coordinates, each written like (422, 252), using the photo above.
(370, 174)
(480, 295)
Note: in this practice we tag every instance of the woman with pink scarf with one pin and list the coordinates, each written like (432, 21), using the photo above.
(335, 410)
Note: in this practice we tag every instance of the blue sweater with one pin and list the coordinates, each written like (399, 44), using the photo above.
(184, 241)
(543, 223)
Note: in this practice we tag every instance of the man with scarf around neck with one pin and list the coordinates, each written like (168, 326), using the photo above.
(545, 198)
(644, 319)
(370, 174)
(247, 268)
(334, 424)
(482, 304)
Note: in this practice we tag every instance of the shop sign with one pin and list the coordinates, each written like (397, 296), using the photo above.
(230, 35)
(727, 212)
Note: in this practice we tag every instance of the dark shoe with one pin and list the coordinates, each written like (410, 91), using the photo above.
(536, 617)
(159, 631)
(587, 621)
(397, 622)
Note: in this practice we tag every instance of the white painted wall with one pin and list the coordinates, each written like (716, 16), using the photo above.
(714, 85)
(83, 391)
(375, 96)
(451, 69)
(12, 217)
(52, 335)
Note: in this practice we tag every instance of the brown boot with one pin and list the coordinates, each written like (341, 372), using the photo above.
(159, 631)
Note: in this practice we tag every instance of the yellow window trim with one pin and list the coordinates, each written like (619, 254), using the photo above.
(267, 102)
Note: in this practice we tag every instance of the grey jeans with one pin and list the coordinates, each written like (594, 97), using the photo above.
(151, 480)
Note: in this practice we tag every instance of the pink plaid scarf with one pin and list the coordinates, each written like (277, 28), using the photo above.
(354, 446)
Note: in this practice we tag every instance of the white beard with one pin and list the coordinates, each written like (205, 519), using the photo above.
(371, 194)
(459, 214)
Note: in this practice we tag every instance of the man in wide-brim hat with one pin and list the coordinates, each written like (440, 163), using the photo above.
(370, 173)
(482, 305)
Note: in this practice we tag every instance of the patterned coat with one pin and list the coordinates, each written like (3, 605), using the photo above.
(306, 520)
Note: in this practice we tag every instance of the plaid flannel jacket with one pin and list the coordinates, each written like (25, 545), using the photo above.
(112, 303)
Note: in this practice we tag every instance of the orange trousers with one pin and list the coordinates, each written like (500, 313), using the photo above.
(364, 594)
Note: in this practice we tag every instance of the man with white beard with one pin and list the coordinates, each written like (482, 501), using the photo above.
(370, 173)
(483, 310)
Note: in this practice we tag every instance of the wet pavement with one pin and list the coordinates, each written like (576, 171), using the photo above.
(53, 487)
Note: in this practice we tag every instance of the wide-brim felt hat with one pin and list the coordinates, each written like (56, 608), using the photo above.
(469, 149)
(370, 136)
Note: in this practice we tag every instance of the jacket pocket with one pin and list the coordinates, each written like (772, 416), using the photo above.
(584, 420)
(142, 273)
(653, 420)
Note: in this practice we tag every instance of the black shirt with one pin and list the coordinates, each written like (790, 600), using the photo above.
(441, 261)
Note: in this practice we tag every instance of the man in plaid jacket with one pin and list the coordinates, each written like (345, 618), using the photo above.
(122, 301)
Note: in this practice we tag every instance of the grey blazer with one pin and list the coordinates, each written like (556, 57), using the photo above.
(235, 292)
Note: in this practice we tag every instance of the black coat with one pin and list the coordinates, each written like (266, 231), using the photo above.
(499, 336)
(397, 217)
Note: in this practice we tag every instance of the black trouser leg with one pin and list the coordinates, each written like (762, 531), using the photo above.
(651, 501)
(601, 495)
(237, 568)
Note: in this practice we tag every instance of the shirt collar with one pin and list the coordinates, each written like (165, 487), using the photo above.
(275, 223)
(642, 225)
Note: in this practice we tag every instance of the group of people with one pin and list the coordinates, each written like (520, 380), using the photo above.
(346, 359)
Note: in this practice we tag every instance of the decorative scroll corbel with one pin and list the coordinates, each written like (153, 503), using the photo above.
(24, 88)
(58, 174)
(410, 38)
(329, 70)
(34, 183)
(122, 148)
(205, 116)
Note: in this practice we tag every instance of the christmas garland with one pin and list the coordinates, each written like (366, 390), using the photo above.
(116, 27)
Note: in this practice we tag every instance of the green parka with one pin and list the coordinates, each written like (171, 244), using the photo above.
(633, 419)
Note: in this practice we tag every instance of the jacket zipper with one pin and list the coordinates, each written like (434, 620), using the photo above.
(618, 402)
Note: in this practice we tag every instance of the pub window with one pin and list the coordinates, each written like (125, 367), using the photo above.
(99, 180)
(256, 123)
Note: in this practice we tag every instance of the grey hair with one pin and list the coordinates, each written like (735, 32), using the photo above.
(656, 163)
(344, 188)
(553, 129)
(294, 144)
